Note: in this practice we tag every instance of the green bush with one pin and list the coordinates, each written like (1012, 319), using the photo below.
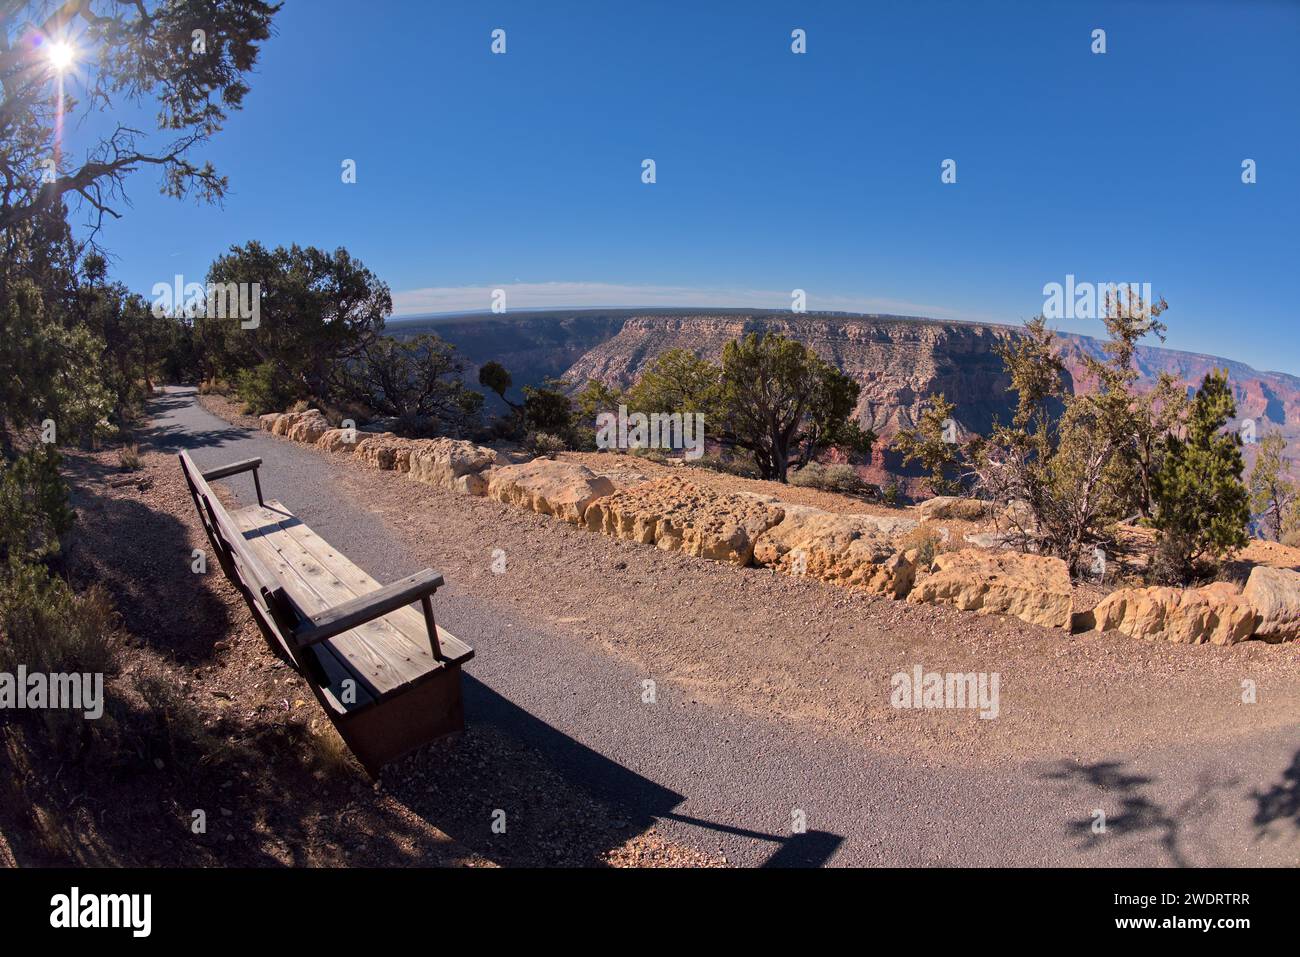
(33, 505)
(49, 627)
(892, 494)
(262, 389)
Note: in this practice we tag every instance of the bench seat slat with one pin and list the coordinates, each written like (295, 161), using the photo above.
(387, 653)
(336, 671)
(406, 621)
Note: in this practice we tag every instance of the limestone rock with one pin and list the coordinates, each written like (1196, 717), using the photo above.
(845, 549)
(472, 483)
(308, 426)
(1188, 616)
(386, 451)
(339, 440)
(675, 514)
(284, 422)
(551, 487)
(442, 461)
(1033, 588)
(1274, 594)
(989, 539)
(954, 506)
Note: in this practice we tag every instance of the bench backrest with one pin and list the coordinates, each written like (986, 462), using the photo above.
(236, 557)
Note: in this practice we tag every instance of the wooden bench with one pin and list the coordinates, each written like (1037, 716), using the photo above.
(385, 673)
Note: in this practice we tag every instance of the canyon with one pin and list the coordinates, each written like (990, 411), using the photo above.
(897, 360)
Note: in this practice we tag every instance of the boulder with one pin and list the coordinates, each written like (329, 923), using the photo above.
(284, 422)
(850, 550)
(1033, 588)
(472, 483)
(551, 487)
(954, 506)
(990, 539)
(339, 440)
(442, 461)
(267, 422)
(1274, 595)
(1217, 614)
(309, 427)
(385, 451)
(675, 514)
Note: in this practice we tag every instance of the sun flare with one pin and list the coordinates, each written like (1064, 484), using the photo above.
(61, 55)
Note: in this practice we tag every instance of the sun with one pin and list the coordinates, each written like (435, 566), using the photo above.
(61, 55)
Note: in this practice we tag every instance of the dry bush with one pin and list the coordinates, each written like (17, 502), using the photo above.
(129, 458)
(544, 444)
(928, 540)
(829, 478)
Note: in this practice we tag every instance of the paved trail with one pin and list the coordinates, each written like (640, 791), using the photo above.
(719, 781)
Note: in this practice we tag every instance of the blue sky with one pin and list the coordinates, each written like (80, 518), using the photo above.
(775, 171)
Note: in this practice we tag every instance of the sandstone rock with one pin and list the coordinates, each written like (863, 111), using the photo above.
(953, 506)
(267, 422)
(989, 539)
(844, 549)
(1189, 616)
(1274, 594)
(386, 451)
(1033, 588)
(339, 440)
(472, 483)
(309, 426)
(442, 461)
(675, 514)
(284, 422)
(562, 489)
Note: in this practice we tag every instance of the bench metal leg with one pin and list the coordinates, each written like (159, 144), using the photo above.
(427, 605)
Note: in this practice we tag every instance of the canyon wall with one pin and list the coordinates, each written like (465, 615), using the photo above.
(900, 360)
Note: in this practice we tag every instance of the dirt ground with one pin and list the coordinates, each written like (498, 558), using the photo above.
(770, 644)
(212, 721)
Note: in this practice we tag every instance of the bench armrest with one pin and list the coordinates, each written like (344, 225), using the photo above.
(234, 468)
(346, 616)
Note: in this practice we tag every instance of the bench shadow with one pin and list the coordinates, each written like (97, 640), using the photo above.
(565, 804)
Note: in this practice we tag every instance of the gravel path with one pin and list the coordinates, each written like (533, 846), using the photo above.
(561, 662)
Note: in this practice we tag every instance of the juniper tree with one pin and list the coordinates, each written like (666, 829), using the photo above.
(784, 404)
(1272, 490)
(933, 444)
(1079, 462)
(1202, 507)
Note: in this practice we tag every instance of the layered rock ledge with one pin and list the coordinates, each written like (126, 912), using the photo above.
(675, 514)
(1033, 588)
(850, 550)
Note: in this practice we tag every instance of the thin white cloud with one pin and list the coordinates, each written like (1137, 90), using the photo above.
(561, 295)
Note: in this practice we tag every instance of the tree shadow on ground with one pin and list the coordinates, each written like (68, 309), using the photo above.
(1280, 803)
(175, 438)
(1140, 817)
(144, 557)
